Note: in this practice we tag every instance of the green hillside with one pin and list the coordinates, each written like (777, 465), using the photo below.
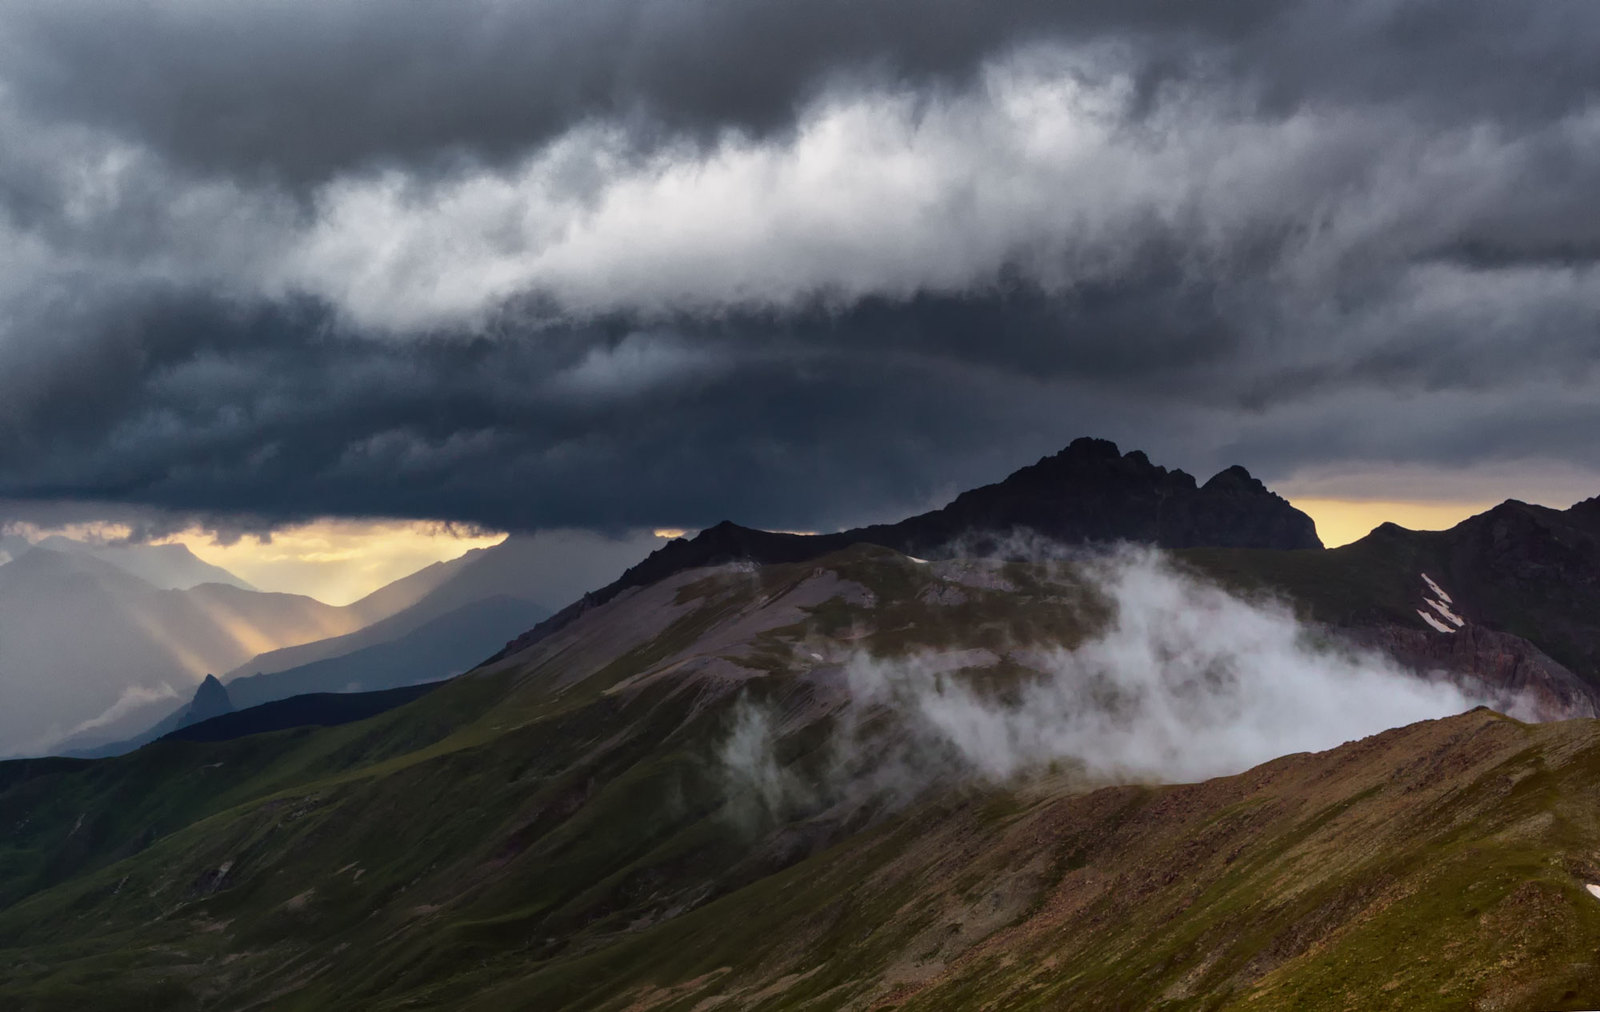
(560, 830)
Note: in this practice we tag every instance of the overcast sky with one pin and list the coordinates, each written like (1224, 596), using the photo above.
(615, 264)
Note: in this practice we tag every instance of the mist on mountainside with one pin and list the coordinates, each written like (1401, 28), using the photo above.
(429, 625)
(1185, 681)
(99, 640)
(86, 647)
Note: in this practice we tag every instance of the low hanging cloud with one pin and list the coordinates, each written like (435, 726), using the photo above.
(133, 699)
(1187, 681)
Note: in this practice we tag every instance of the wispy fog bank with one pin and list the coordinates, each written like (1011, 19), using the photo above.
(1187, 681)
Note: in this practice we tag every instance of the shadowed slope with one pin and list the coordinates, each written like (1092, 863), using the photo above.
(316, 709)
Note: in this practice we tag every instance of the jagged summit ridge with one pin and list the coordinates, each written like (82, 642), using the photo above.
(1089, 492)
(1092, 492)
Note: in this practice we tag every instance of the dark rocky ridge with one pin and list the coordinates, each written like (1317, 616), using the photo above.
(1525, 579)
(1528, 570)
(1088, 493)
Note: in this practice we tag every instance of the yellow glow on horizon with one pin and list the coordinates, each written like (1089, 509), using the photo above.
(1341, 521)
(337, 561)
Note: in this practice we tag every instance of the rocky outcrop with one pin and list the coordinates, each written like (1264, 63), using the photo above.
(210, 700)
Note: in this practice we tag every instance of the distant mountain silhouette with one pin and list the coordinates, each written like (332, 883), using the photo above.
(432, 624)
(170, 567)
(506, 570)
(440, 648)
(210, 700)
(444, 646)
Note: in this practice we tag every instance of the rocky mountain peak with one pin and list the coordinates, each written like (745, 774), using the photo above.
(210, 700)
(1088, 493)
(1090, 448)
(1235, 479)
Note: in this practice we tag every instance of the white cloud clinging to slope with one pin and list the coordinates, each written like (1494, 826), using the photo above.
(1189, 681)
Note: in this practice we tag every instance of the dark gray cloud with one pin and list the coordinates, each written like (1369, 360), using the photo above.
(804, 264)
(252, 418)
(300, 89)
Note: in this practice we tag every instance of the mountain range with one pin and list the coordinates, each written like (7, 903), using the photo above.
(430, 625)
(1089, 492)
(168, 567)
(455, 613)
(1168, 753)
(102, 645)
(87, 647)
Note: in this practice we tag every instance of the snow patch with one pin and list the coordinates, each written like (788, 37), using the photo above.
(1445, 612)
(1437, 625)
(1444, 619)
(1438, 591)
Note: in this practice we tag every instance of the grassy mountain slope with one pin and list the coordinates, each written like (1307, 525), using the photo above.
(557, 830)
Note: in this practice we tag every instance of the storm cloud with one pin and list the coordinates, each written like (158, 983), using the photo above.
(805, 264)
